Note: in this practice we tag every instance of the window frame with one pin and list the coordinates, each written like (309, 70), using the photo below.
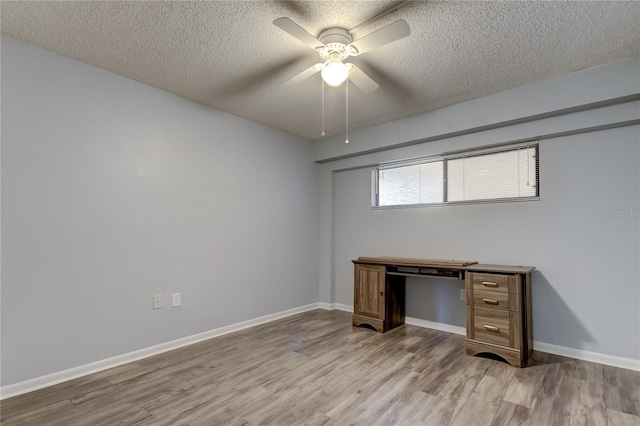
(375, 196)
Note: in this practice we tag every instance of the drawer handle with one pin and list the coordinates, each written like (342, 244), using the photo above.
(490, 301)
(489, 284)
(492, 328)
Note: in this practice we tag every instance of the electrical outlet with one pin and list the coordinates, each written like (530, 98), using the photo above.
(157, 302)
(175, 301)
(462, 294)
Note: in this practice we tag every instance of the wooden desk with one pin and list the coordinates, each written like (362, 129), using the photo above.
(498, 300)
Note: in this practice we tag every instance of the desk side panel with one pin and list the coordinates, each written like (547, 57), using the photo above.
(396, 291)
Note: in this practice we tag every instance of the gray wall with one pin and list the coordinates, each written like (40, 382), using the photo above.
(361, 231)
(113, 191)
(586, 289)
(568, 91)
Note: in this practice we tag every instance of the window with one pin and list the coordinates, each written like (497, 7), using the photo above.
(411, 184)
(510, 173)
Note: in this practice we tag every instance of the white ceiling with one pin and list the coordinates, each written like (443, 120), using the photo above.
(229, 55)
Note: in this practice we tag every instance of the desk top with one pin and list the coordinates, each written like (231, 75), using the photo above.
(464, 265)
(407, 261)
(506, 269)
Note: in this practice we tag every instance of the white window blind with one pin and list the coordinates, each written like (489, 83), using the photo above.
(411, 184)
(505, 174)
(508, 174)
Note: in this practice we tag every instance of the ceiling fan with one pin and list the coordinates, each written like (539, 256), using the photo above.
(335, 45)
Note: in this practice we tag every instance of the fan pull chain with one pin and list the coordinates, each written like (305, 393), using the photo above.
(322, 132)
(346, 140)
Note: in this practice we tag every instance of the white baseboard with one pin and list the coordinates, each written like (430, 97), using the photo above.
(83, 370)
(94, 367)
(614, 361)
(335, 306)
(326, 306)
(408, 320)
(436, 325)
(341, 307)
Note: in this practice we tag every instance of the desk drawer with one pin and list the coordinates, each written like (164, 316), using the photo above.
(491, 299)
(493, 282)
(491, 326)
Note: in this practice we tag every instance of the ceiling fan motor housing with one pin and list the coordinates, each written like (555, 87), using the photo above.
(335, 40)
(335, 35)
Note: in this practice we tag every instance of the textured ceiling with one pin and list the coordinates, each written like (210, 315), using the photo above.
(229, 55)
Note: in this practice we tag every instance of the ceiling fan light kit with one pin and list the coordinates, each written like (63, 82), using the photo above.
(334, 73)
(335, 50)
(334, 45)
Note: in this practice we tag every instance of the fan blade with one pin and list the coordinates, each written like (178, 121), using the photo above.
(395, 7)
(384, 35)
(303, 75)
(362, 80)
(298, 32)
(395, 88)
(244, 83)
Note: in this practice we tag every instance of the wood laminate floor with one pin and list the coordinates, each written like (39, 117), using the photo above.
(315, 369)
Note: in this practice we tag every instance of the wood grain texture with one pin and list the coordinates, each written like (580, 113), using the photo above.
(527, 315)
(378, 325)
(492, 299)
(395, 301)
(369, 287)
(499, 315)
(463, 265)
(470, 315)
(493, 282)
(515, 327)
(500, 269)
(407, 261)
(491, 325)
(515, 300)
(512, 356)
(498, 305)
(315, 369)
